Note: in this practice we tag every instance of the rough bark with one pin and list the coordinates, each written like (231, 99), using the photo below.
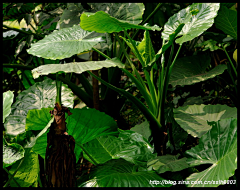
(60, 157)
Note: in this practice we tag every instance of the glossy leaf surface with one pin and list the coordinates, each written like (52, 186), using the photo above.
(7, 102)
(195, 24)
(120, 173)
(194, 118)
(219, 148)
(129, 145)
(76, 67)
(64, 43)
(12, 152)
(40, 95)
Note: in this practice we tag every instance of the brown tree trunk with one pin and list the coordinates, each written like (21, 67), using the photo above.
(60, 157)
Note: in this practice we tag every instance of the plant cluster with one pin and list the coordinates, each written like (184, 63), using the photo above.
(170, 68)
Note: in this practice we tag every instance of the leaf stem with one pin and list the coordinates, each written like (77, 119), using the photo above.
(234, 69)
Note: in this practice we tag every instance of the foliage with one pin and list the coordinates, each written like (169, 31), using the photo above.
(187, 98)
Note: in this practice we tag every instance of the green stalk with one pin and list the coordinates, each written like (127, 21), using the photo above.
(234, 69)
(11, 176)
(135, 72)
(59, 87)
(149, 16)
(138, 83)
(18, 66)
(149, 82)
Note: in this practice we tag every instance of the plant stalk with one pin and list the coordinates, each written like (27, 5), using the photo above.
(234, 69)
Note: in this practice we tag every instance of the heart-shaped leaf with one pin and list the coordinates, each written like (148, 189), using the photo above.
(120, 173)
(129, 145)
(64, 43)
(102, 22)
(40, 95)
(194, 118)
(202, 17)
(76, 67)
(227, 21)
(7, 102)
(219, 148)
(12, 152)
(192, 69)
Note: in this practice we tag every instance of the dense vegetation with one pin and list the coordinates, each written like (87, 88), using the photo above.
(139, 94)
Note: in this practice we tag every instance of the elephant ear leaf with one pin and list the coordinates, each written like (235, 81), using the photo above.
(102, 22)
(7, 102)
(197, 17)
(64, 43)
(217, 147)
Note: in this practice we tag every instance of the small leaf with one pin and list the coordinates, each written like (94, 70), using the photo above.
(217, 147)
(102, 22)
(76, 67)
(142, 129)
(235, 55)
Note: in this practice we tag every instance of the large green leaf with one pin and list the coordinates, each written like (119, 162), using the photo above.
(76, 67)
(27, 174)
(64, 43)
(84, 125)
(168, 162)
(87, 124)
(7, 102)
(40, 95)
(120, 173)
(194, 118)
(192, 69)
(227, 21)
(102, 22)
(219, 148)
(202, 17)
(12, 152)
(129, 145)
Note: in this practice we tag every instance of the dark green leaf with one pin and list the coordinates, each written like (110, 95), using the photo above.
(227, 21)
(120, 173)
(168, 162)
